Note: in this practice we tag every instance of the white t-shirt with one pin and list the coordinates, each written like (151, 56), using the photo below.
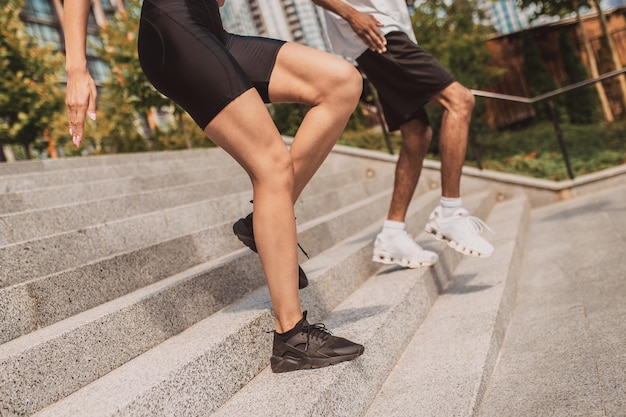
(393, 14)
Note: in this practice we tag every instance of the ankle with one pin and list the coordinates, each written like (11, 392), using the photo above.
(286, 325)
(392, 228)
(450, 205)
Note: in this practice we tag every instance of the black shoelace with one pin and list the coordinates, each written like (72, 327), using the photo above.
(316, 331)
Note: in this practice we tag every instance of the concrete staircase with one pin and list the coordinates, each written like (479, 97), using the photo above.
(123, 292)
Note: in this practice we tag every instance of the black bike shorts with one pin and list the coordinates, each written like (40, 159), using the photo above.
(406, 77)
(189, 57)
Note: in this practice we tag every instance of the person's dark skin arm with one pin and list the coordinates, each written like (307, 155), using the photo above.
(363, 24)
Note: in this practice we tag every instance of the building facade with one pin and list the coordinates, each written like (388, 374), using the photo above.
(292, 20)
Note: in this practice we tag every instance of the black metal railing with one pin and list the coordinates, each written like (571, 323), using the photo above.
(551, 108)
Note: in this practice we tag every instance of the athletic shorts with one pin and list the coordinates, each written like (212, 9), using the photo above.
(187, 56)
(406, 77)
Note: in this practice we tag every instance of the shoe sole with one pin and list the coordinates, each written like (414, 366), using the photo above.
(244, 235)
(455, 245)
(288, 364)
(390, 260)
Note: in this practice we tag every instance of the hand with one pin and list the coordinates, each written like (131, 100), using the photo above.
(368, 29)
(80, 99)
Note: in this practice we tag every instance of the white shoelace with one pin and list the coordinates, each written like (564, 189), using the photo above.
(477, 225)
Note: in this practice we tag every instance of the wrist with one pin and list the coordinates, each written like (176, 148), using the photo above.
(76, 69)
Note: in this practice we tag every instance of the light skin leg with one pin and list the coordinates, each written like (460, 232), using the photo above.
(331, 86)
(245, 130)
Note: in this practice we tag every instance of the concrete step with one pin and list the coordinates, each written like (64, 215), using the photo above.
(208, 288)
(215, 354)
(68, 192)
(49, 254)
(32, 224)
(55, 253)
(138, 166)
(445, 369)
(383, 314)
(152, 307)
(47, 165)
(205, 361)
(81, 191)
(40, 301)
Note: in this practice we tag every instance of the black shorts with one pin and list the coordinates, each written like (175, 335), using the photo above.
(406, 77)
(187, 56)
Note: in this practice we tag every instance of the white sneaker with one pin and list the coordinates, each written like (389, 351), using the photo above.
(460, 231)
(401, 249)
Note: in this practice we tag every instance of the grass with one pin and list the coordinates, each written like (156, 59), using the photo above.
(532, 151)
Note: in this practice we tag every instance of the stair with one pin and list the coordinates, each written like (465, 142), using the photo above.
(124, 292)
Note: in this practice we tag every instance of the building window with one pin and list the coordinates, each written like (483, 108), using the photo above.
(39, 9)
(44, 35)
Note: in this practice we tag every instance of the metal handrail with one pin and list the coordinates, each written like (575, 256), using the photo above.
(562, 90)
(553, 114)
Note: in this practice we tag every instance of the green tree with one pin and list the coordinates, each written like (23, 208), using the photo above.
(561, 8)
(30, 91)
(581, 104)
(536, 73)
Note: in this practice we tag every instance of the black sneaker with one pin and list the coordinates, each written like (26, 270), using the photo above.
(309, 346)
(244, 232)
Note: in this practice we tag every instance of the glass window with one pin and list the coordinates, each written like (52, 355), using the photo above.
(44, 34)
(93, 41)
(99, 70)
(106, 4)
(39, 9)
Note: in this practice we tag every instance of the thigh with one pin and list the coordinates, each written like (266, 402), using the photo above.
(305, 75)
(182, 55)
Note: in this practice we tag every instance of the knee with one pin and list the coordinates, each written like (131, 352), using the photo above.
(275, 171)
(464, 102)
(457, 101)
(347, 85)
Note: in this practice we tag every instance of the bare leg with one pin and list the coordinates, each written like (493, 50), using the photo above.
(246, 131)
(331, 86)
(416, 136)
(457, 103)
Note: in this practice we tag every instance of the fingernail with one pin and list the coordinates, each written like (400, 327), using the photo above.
(70, 130)
(92, 115)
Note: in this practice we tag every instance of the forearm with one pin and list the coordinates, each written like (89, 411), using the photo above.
(76, 13)
(345, 11)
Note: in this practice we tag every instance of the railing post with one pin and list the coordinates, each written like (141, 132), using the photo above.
(559, 137)
(379, 112)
